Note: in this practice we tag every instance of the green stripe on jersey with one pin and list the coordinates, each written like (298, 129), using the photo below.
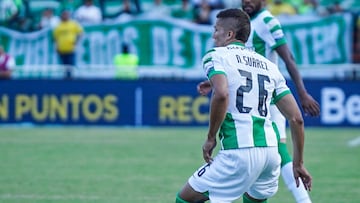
(211, 50)
(259, 132)
(214, 72)
(276, 98)
(207, 60)
(275, 28)
(259, 44)
(268, 19)
(227, 134)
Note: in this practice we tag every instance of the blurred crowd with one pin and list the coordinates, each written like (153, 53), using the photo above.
(32, 15)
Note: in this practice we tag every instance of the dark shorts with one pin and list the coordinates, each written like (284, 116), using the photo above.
(67, 59)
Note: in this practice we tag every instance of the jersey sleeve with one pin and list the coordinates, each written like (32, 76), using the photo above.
(281, 88)
(275, 35)
(211, 64)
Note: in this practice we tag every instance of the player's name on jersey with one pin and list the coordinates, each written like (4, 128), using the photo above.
(253, 62)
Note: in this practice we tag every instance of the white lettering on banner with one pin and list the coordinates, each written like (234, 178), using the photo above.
(104, 46)
(96, 46)
(295, 38)
(160, 46)
(170, 43)
(34, 51)
(353, 109)
(335, 107)
(178, 47)
(324, 47)
(130, 36)
(113, 44)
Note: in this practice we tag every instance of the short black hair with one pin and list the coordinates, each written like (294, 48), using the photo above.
(240, 22)
(125, 48)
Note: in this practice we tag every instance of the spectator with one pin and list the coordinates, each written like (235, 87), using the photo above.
(69, 5)
(335, 7)
(185, 11)
(203, 13)
(126, 13)
(8, 11)
(66, 36)
(127, 8)
(126, 64)
(280, 7)
(88, 13)
(157, 9)
(48, 19)
(7, 64)
(307, 7)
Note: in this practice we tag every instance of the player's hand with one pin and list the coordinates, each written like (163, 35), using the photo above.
(301, 174)
(309, 105)
(203, 87)
(208, 148)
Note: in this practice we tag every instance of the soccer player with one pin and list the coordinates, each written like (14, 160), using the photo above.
(243, 84)
(267, 38)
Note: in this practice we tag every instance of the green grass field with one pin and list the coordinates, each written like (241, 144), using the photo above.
(127, 165)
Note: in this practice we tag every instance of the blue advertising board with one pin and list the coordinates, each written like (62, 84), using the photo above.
(148, 102)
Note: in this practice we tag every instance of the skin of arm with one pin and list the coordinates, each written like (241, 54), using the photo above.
(218, 107)
(309, 105)
(289, 108)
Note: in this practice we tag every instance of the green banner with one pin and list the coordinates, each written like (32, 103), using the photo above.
(176, 43)
(320, 40)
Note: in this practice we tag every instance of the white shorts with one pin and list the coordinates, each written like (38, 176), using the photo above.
(279, 119)
(234, 172)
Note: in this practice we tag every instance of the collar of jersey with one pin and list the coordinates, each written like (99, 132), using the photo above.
(238, 44)
(258, 13)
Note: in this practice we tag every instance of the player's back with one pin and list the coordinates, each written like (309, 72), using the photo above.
(252, 81)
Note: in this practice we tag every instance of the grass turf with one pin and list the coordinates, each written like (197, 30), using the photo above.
(129, 165)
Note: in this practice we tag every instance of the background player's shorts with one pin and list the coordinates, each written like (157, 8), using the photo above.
(279, 120)
(236, 171)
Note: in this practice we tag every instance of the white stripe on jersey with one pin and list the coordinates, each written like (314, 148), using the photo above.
(266, 34)
(253, 81)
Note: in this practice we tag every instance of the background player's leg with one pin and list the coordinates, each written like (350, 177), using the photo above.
(299, 193)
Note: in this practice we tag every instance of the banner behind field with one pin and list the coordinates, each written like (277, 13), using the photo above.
(176, 43)
(147, 103)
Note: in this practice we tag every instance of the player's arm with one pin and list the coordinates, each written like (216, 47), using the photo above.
(289, 108)
(218, 106)
(308, 103)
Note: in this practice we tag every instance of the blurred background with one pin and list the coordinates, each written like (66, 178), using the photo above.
(137, 62)
(98, 99)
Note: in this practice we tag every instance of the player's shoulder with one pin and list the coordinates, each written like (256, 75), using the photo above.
(214, 52)
(266, 18)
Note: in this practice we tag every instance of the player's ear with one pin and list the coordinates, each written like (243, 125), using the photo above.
(229, 34)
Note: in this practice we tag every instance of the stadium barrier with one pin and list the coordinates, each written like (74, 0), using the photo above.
(313, 71)
(156, 102)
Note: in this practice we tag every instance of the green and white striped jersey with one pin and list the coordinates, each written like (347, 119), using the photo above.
(266, 35)
(252, 81)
